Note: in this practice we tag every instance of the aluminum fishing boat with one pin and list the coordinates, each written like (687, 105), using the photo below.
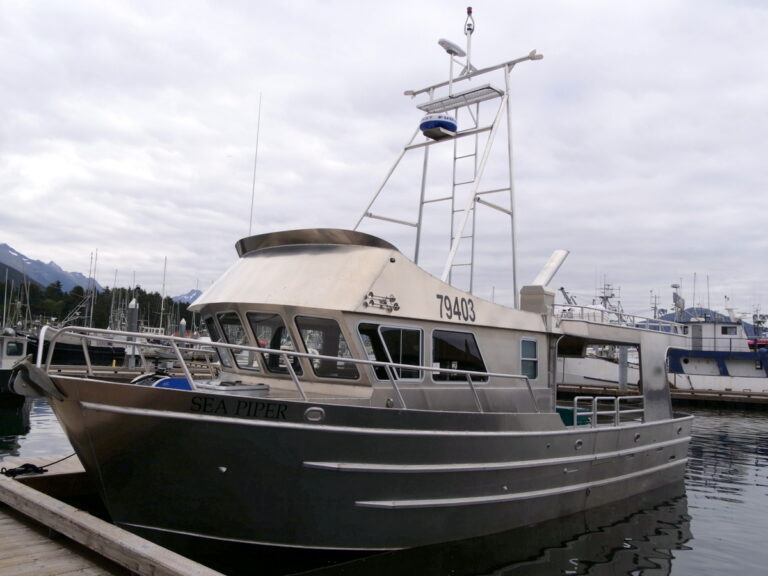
(356, 401)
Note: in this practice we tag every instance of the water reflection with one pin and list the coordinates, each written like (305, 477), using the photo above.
(627, 538)
(28, 428)
(726, 462)
(727, 485)
(14, 422)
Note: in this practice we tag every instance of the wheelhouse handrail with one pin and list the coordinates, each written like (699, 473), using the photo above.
(138, 341)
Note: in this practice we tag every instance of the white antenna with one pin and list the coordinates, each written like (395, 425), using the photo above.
(255, 160)
(469, 28)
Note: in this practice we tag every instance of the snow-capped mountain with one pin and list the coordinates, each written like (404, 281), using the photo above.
(39, 272)
(189, 297)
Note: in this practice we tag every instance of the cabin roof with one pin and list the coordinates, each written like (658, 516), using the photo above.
(343, 270)
(309, 236)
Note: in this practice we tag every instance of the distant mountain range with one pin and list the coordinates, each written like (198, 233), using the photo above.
(22, 268)
(37, 271)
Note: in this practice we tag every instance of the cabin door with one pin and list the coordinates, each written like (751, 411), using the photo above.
(696, 337)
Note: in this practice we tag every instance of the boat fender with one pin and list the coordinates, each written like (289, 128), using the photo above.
(28, 380)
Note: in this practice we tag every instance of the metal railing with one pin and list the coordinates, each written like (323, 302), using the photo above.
(176, 350)
(724, 343)
(594, 411)
(615, 317)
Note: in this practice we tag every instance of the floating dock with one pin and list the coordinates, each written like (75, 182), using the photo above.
(41, 535)
(719, 398)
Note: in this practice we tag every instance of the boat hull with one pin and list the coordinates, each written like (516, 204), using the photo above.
(719, 370)
(287, 473)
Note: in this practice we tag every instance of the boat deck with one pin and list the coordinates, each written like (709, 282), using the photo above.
(42, 535)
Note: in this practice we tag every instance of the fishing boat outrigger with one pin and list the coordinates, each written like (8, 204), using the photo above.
(358, 402)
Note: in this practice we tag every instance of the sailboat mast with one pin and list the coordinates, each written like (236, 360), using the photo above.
(162, 296)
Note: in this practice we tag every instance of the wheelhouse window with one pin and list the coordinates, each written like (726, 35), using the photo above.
(456, 351)
(270, 332)
(392, 344)
(529, 359)
(215, 335)
(323, 336)
(728, 330)
(234, 333)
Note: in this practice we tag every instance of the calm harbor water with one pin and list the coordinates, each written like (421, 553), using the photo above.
(714, 524)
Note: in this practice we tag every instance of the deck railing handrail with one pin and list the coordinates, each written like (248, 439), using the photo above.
(172, 343)
(593, 413)
(615, 317)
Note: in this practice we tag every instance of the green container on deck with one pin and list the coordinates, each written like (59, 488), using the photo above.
(566, 414)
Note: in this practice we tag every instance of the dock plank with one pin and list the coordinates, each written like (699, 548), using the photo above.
(27, 550)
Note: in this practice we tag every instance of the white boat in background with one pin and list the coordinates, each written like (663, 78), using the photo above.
(720, 355)
(721, 351)
(599, 364)
(13, 348)
(360, 402)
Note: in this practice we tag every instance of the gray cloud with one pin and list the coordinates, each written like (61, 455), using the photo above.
(129, 129)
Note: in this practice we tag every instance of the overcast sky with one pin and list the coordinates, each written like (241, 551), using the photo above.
(129, 130)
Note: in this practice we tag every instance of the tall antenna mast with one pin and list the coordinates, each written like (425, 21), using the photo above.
(442, 124)
(255, 161)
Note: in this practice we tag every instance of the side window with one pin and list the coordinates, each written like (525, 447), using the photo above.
(529, 360)
(728, 330)
(14, 349)
(456, 351)
(223, 354)
(270, 332)
(234, 333)
(393, 344)
(374, 347)
(323, 336)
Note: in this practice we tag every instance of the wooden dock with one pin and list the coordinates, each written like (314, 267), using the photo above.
(41, 535)
(719, 398)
